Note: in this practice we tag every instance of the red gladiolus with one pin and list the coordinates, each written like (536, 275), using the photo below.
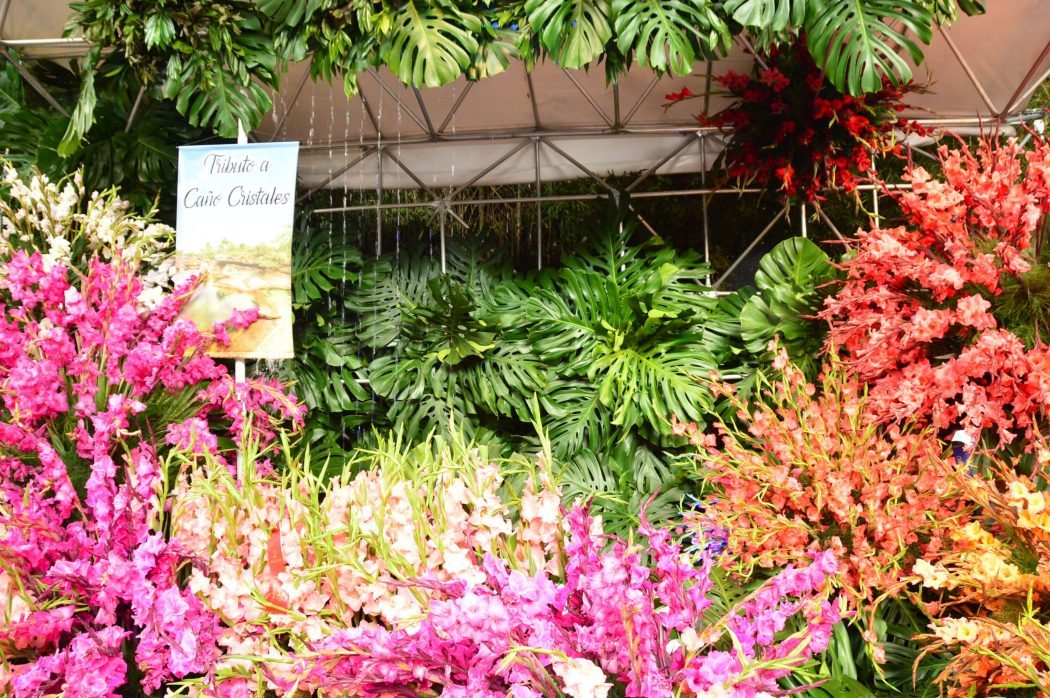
(679, 96)
(793, 131)
(915, 315)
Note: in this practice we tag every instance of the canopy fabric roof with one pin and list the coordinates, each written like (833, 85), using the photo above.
(553, 124)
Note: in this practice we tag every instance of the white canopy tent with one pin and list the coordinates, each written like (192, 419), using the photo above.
(554, 124)
(551, 124)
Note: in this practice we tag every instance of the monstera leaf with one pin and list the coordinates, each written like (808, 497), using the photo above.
(208, 94)
(722, 329)
(375, 302)
(860, 42)
(796, 264)
(319, 266)
(430, 45)
(494, 53)
(623, 325)
(574, 32)
(290, 12)
(441, 351)
(332, 388)
(668, 35)
(449, 326)
(856, 42)
(789, 295)
(575, 418)
(769, 17)
(621, 482)
(422, 392)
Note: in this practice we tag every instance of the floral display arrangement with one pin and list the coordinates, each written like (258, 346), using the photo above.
(165, 530)
(101, 382)
(156, 531)
(929, 334)
(990, 596)
(414, 574)
(922, 316)
(806, 470)
(795, 132)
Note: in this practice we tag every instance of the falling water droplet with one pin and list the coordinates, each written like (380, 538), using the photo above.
(343, 215)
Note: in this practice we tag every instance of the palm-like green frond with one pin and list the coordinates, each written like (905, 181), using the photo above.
(646, 386)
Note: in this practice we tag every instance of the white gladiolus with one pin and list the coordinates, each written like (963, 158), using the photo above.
(56, 218)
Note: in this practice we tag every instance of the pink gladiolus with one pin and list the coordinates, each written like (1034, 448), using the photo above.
(79, 364)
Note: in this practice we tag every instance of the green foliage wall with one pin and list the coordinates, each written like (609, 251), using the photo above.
(602, 351)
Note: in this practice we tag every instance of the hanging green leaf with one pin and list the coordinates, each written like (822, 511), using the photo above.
(84, 113)
(160, 30)
(210, 95)
(770, 16)
(669, 35)
(291, 13)
(858, 43)
(493, 56)
(574, 32)
(430, 46)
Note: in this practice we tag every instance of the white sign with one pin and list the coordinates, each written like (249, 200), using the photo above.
(235, 213)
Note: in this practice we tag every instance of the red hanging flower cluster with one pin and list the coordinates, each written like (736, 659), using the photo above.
(795, 132)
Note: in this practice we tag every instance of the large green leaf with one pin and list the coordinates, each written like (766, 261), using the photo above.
(328, 388)
(574, 32)
(212, 95)
(794, 264)
(668, 35)
(575, 417)
(375, 302)
(449, 325)
(627, 320)
(770, 17)
(648, 385)
(430, 45)
(623, 480)
(721, 331)
(504, 382)
(12, 91)
(290, 12)
(859, 42)
(319, 265)
(493, 56)
(789, 280)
